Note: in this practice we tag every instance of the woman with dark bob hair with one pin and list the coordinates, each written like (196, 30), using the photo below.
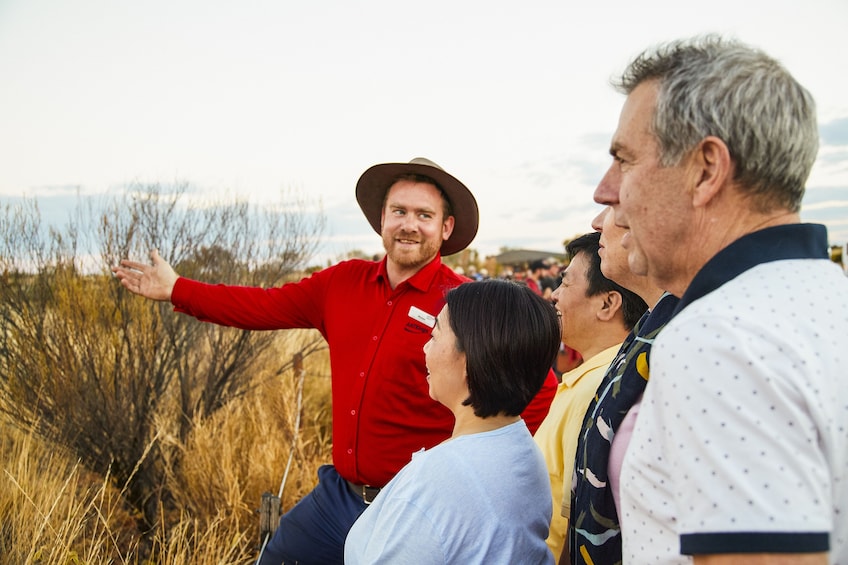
(483, 495)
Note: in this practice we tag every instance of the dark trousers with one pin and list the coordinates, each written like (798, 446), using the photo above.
(314, 531)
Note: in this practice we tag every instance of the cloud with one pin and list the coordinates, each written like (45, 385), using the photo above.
(834, 157)
(834, 132)
(55, 204)
(818, 194)
(828, 205)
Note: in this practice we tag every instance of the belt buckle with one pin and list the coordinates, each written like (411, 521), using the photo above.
(369, 493)
(366, 492)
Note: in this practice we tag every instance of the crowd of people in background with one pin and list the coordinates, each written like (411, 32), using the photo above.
(703, 419)
(541, 275)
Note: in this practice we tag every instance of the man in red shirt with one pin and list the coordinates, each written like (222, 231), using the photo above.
(535, 272)
(376, 317)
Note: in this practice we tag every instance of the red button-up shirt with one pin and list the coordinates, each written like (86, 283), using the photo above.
(382, 411)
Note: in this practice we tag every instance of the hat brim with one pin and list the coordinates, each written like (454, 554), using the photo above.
(375, 182)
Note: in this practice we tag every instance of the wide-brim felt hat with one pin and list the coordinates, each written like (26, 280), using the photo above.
(375, 182)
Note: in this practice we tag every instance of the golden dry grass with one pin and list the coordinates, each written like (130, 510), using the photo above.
(52, 511)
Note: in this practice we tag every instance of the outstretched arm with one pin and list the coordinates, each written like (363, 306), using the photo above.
(154, 281)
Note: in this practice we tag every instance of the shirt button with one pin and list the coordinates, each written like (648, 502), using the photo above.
(350, 452)
(374, 338)
(389, 303)
(362, 374)
(353, 412)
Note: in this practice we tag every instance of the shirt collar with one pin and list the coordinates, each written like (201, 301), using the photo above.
(601, 359)
(422, 280)
(777, 243)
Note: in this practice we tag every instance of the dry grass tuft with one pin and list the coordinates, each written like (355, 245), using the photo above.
(56, 512)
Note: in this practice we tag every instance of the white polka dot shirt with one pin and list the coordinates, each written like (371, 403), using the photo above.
(742, 439)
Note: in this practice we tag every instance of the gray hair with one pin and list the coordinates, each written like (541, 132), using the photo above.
(709, 86)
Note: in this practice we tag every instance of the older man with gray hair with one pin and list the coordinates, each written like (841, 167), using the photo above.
(740, 450)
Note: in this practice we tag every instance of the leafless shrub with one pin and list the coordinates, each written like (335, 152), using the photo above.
(91, 367)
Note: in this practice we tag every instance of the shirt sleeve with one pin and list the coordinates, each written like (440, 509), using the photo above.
(293, 305)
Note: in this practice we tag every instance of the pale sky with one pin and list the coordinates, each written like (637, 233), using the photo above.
(254, 97)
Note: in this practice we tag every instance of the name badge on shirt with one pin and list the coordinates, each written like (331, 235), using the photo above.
(420, 315)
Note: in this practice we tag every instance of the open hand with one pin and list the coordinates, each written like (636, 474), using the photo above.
(155, 281)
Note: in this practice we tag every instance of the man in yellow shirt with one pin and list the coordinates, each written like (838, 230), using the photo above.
(597, 314)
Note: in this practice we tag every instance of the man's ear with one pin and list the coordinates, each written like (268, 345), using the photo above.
(447, 227)
(610, 306)
(713, 167)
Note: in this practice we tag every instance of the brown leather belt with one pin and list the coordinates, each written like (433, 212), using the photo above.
(365, 492)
